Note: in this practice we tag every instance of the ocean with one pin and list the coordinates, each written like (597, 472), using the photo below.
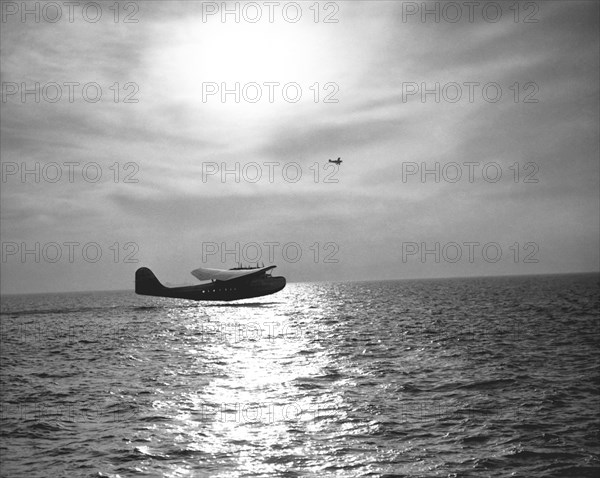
(419, 378)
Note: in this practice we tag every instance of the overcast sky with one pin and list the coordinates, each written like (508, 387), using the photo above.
(517, 94)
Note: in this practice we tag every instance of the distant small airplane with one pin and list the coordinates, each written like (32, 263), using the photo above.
(233, 284)
(337, 161)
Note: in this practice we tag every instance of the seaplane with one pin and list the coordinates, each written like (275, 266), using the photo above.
(337, 161)
(225, 285)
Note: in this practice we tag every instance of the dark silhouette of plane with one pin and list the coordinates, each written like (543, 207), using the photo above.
(337, 161)
(233, 284)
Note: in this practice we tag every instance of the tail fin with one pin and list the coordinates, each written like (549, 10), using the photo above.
(146, 282)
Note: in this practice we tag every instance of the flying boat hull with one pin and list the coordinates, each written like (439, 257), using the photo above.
(241, 286)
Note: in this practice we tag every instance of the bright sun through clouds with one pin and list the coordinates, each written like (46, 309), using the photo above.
(193, 67)
(200, 53)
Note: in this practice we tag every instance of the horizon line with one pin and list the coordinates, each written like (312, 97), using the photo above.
(331, 281)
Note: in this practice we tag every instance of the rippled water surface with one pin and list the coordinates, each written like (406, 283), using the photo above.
(453, 377)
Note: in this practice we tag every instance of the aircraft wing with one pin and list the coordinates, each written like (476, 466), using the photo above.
(225, 275)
